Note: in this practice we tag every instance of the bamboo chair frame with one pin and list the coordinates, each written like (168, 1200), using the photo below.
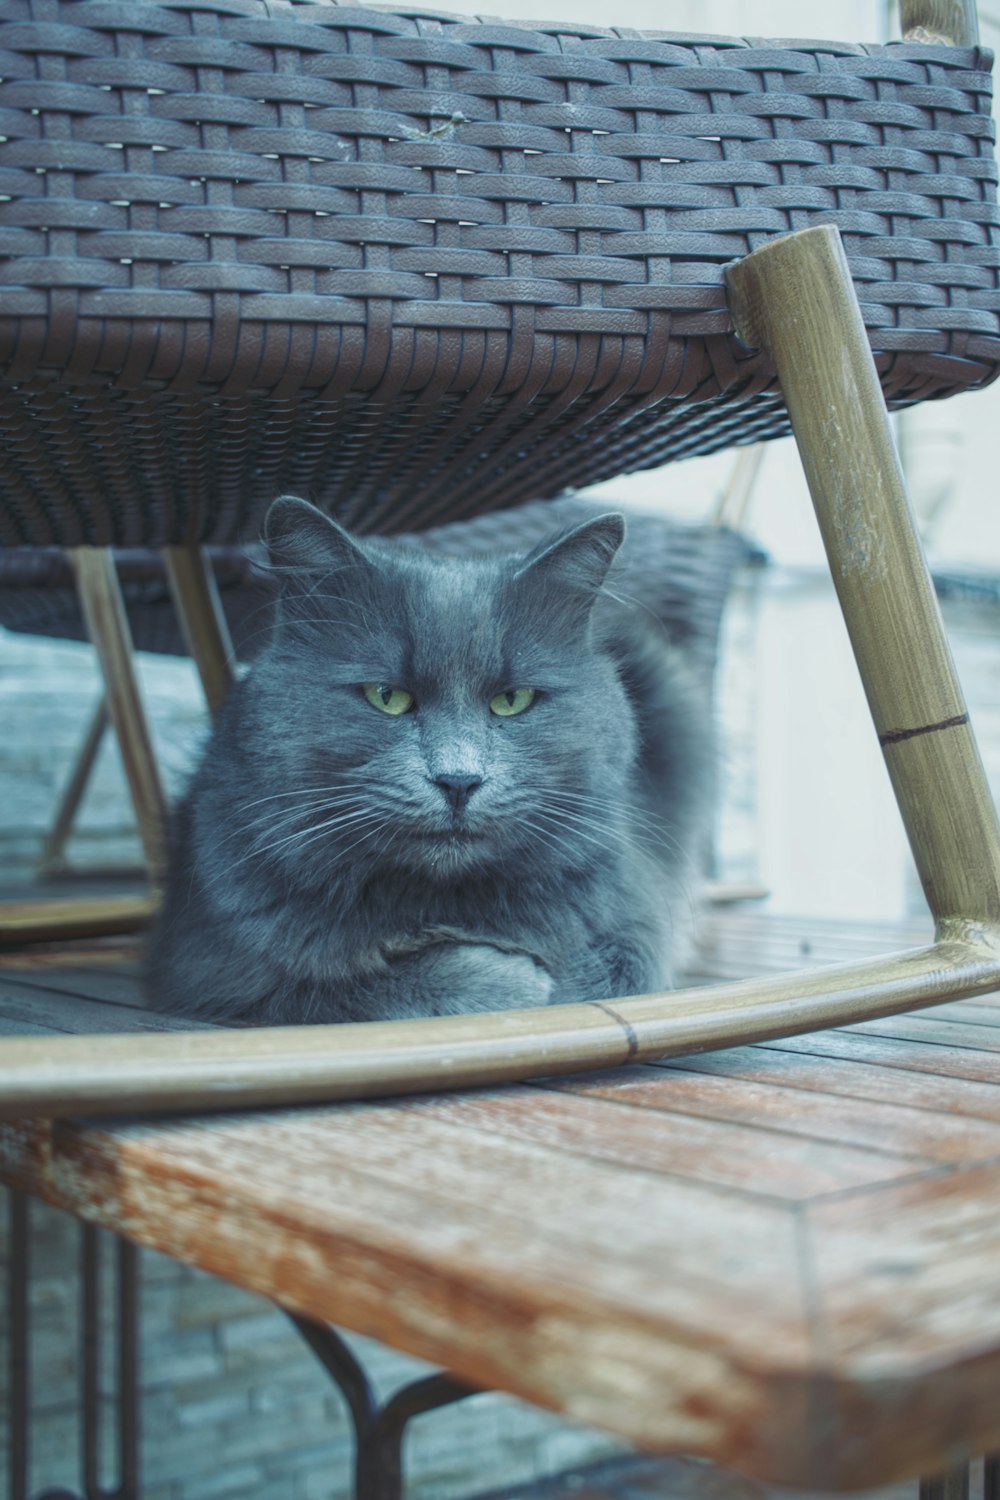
(794, 298)
(204, 629)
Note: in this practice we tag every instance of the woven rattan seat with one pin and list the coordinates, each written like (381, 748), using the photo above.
(420, 266)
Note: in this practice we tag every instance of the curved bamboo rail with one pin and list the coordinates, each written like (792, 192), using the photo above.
(205, 1070)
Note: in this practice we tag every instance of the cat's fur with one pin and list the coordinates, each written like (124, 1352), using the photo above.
(319, 871)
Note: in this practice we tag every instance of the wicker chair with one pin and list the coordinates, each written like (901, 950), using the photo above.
(421, 267)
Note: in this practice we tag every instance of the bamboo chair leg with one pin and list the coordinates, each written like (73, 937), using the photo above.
(795, 299)
(953, 1486)
(953, 22)
(199, 609)
(51, 859)
(734, 501)
(104, 612)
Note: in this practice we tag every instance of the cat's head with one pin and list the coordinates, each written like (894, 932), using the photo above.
(440, 716)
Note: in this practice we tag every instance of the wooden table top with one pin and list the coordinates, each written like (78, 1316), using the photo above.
(784, 1257)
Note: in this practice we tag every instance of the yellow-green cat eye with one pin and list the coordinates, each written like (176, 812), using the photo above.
(389, 700)
(515, 701)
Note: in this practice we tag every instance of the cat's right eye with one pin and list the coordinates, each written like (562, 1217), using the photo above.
(388, 700)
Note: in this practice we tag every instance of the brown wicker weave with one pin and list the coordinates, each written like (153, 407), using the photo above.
(420, 266)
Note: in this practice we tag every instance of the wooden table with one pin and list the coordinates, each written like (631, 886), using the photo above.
(784, 1257)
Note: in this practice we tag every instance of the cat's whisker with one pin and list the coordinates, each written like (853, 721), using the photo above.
(646, 828)
(308, 791)
(307, 835)
(385, 823)
(643, 837)
(613, 806)
(577, 830)
(549, 837)
(300, 818)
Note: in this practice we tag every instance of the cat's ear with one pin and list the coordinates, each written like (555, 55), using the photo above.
(580, 558)
(302, 539)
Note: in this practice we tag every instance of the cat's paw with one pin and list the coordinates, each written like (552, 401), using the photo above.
(508, 981)
(453, 978)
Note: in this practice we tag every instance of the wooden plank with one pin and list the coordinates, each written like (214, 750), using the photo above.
(907, 1282)
(52, 1011)
(934, 1032)
(949, 1062)
(883, 1129)
(117, 984)
(44, 921)
(97, 954)
(835, 1076)
(663, 1309)
(739, 944)
(598, 1121)
(777, 937)
(671, 1312)
(15, 1026)
(984, 1012)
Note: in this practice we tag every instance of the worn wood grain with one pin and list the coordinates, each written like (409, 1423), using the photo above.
(937, 1032)
(914, 1056)
(979, 1012)
(55, 920)
(906, 1280)
(880, 1125)
(619, 1306)
(113, 983)
(51, 1011)
(425, 1229)
(868, 1081)
(598, 1120)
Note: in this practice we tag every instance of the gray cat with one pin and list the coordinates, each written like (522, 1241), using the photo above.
(445, 786)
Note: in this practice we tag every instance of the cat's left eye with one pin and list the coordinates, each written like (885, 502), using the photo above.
(390, 700)
(506, 705)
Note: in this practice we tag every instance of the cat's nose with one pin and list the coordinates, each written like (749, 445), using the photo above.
(458, 788)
